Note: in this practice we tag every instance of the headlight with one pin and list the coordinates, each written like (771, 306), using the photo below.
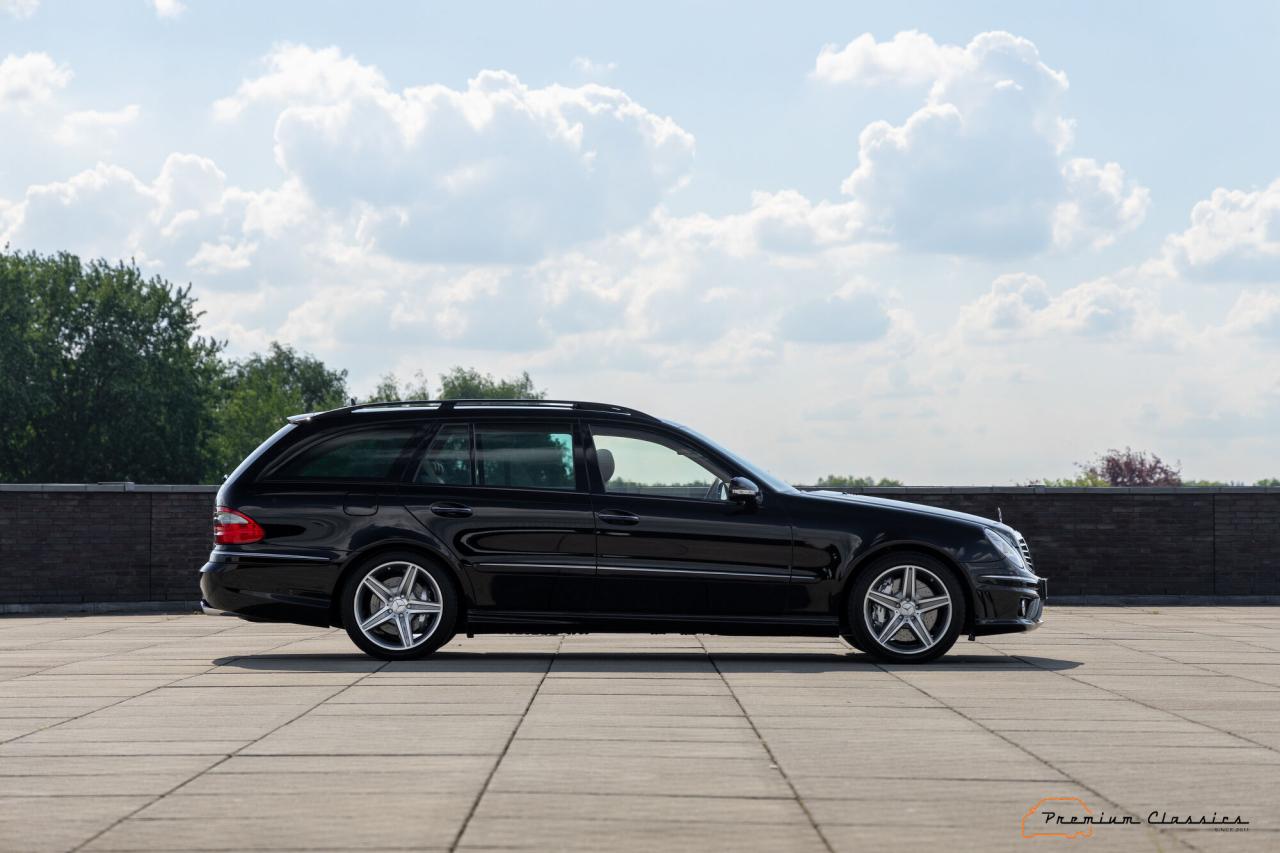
(1006, 548)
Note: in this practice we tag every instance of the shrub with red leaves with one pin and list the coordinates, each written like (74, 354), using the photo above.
(1130, 467)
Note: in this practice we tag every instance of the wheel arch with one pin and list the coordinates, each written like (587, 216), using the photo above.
(429, 554)
(860, 563)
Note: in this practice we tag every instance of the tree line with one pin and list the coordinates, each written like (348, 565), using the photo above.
(1126, 467)
(104, 377)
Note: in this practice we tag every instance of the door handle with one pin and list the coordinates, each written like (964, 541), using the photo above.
(614, 516)
(448, 509)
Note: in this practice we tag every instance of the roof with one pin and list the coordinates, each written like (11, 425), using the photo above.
(449, 406)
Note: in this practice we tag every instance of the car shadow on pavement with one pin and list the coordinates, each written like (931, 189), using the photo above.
(639, 662)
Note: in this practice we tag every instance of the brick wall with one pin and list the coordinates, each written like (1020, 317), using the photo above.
(77, 544)
(1156, 541)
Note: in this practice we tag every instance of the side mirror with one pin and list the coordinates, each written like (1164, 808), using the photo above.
(744, 491)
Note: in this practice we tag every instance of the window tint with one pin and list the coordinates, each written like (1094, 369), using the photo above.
(447, 460)
(367, 454)
(535, 457)
(637, 463)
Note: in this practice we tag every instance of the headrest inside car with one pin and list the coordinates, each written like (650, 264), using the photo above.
(605, 460)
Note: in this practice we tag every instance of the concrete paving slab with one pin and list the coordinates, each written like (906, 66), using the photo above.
(164, 732)
(60, 823)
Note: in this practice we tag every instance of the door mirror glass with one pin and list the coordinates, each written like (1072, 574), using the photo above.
(743, 490)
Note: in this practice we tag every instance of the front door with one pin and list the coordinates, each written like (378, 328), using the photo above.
(669, 541)
(509, 499)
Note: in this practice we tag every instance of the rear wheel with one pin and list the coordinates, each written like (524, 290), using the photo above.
(399, 606)
(905, 608)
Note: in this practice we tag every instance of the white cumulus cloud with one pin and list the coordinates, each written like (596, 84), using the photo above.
(215, 258)
(1019, 305)
(298, 74)
(30, 79)
(981, 168)
(910, 57)
(1234, 236)
(498, 171)
(1101, 204)
(1255, 314)
(94, 125)
(20, 9)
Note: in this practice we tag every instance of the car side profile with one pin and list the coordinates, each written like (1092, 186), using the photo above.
(407, 523)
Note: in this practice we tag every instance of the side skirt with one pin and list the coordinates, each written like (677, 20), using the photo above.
(508, 622)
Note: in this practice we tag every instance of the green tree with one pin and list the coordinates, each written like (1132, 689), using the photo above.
(260, 392)
(460, 383)
(390, 390)
(102, 375)
(463, 383)
(1084, 478)
(1268, 481)
(850, 481)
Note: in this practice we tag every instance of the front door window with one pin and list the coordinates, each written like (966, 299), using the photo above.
(644, 464)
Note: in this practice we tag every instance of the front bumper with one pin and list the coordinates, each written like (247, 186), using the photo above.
(1007, 603)
(209, 610)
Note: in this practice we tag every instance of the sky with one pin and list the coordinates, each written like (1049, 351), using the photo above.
(948, 243)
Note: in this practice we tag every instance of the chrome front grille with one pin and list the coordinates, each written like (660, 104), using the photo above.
(1026, 553)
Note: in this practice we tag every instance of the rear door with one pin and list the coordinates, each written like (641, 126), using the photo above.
(669, 541)
(509, 498)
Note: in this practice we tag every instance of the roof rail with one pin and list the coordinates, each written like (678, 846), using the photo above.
(450, 405)
(393, 404)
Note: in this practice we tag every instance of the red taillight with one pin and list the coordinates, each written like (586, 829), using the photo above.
(234, 528)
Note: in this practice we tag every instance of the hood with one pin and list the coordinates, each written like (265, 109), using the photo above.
(906, 506)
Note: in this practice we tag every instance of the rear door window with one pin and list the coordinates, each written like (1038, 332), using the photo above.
(447, 459)
(533, 456)
(365, 454)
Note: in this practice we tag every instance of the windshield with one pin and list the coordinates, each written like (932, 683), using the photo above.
(755, 471)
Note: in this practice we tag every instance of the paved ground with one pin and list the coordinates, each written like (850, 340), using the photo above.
(195, 732)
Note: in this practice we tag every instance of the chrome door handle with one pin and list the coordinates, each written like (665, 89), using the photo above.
(451, 510)
(613, 516)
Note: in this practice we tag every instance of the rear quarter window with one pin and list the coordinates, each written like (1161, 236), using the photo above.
(364, 454)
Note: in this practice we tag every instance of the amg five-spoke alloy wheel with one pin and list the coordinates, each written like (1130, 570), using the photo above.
(399, 606)
(905, 608)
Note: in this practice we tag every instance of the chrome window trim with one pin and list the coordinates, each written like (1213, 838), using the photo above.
(710, 572)
(484, 567)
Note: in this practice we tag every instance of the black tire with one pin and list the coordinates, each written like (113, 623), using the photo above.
(431, 584)
(932, 579)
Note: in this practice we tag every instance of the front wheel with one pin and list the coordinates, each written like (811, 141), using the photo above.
(905, 608)
(399, 606)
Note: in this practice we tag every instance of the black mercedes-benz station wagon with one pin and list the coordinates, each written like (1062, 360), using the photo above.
(406, 523)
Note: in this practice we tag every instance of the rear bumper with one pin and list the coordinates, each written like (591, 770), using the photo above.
(229, 587)
(1007, 603)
